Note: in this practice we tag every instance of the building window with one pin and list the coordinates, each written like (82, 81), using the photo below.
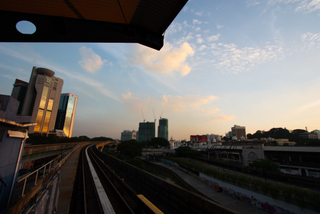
(46, 121)
(44, 97)
(42, 105)
(50, 105)
(38, 120)
(68, 117)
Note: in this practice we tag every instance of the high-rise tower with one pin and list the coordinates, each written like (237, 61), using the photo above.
(42, 99)
(163, 128)
(66, 113)
(146, 131)
(19, 92)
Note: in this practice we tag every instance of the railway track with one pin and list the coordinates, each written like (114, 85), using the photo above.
(98, 190)
(84, 196)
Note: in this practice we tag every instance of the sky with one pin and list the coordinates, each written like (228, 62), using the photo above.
(254, 63)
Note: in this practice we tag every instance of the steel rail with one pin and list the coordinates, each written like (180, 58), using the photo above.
(103, 198)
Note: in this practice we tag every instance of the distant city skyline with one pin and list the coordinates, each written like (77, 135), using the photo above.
(253, 63)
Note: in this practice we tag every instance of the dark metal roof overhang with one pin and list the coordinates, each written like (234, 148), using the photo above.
(134, 21)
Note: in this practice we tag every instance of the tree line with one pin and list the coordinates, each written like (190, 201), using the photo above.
(283, 133)
(37, 138)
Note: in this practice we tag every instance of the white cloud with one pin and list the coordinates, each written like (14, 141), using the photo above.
(186, 38)
(90, 61)
(210, 111)
(202, 47)
(252, 3)
(219, 26)
(169, 59)
(175, 27)
(128, 96)
(307, 107)
(308, 6)
(230, 58)
(310, 41)
(197, 13)
(214, 38)
(221, 117)
(32, 57)
(185, 24)
(200, 40)
(99, 87)
(7, 76)
(196, 21)
(22, 53)
(305, 6)
(18, 71)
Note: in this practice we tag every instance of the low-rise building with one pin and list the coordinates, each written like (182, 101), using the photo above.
(239, 132)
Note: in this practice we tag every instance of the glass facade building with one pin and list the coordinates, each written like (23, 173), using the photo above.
(66, 113)
(163, 128)
(147, 131)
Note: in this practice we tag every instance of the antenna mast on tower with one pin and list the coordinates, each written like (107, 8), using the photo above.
(143, 117)
(154, 117)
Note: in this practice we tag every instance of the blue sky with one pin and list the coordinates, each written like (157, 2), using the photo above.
(251, 63)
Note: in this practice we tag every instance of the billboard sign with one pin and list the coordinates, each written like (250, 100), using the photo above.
(198, 138)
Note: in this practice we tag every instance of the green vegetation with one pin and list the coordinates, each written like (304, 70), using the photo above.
(128, 151)
(155, 143)
(301, 197)
(37, 138)
(185, 151)
(130, 148)
(280, 133)
(265, 166)
(51, 139)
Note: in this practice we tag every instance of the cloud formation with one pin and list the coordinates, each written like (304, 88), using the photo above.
(221, 117)
(90, 61)
(214, 38)
(230, 58)
(304, 6)
(189, 105)
(35, 58)
(310, 40)
(308, 6)
(169, 59)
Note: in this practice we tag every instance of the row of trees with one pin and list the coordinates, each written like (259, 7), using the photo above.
(283, 133)
(133, 148)
(36, 138)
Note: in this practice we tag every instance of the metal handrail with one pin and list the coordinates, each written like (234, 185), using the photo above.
(62, 161)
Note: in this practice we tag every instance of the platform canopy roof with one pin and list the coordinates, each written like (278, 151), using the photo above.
(139, 21)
